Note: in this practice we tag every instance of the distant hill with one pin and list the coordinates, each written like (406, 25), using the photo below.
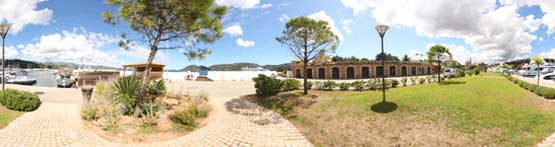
(235, 67)
(194, 68)
(75, 66)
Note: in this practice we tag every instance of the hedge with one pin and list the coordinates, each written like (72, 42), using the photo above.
(19, 100)
(546, 92)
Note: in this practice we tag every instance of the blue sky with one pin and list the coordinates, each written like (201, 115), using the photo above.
(484, 30)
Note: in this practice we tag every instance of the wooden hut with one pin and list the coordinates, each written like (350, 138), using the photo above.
(156, 71)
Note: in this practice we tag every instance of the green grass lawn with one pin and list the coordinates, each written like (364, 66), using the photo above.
(7, 115)
(486, 110)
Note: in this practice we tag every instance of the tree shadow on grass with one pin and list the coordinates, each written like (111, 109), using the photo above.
(384, 107)
(451, 82)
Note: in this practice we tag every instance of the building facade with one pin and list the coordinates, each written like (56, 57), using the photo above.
(324, 68)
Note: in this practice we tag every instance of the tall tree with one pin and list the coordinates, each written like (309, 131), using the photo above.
(406, 58)
(182, 24)
(306, 37)
(438, 54)
(538, 60)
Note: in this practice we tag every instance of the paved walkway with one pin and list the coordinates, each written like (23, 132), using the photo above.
(238, 122)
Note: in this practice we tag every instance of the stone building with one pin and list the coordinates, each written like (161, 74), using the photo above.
(324, 68)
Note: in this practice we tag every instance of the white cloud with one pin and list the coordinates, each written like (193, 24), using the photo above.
(284, 18)
(321, 15)
(11, 52)
(21, 13)
(234, 30)
(243, 4)
(548, 54)
(80, 46)
(495, 32)
(459, 53)
(264, 6)
(416, 55)
(346, 24)
(547, 7)
(245, 43)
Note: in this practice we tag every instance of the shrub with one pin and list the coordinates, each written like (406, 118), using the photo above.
(429, 79)
(387, 83)
(318, 85)
(310, 84)
(329, 85)
(156, 87)
(372, 84)
(548, 93)
(90, 112)
(149, 120)
(459, 74)
(469, 72)
(404, 81)
(476, 71)
(112, 115)
(413, 80)
(199, 110)
(394, 83)
(344, 86)
(290, 84)
(421, 80)
(127, 90)
(184, 117)
(267, 86)
(358, 85)
(148, 107)
(19, 100)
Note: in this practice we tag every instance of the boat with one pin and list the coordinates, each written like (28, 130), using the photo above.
(65, 80)
(23, 80)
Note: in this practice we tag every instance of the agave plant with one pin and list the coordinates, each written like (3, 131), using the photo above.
(127, 90)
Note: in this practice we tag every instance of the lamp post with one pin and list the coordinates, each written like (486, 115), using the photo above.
(4, 28)
(381, 30)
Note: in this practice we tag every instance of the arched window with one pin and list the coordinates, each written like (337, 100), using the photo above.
(298, 73)
(403, 71)
(309, 73)
(379, 71)
(350, 72)
(392, 71)
(365, 72)
(335, 73)
(413, 71)
(322, 73)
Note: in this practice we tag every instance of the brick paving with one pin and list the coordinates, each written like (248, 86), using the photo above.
(238, 123)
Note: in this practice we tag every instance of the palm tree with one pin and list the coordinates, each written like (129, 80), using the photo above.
(537, 61)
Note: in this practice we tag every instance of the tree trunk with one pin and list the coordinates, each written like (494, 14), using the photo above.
(305, 86)
(538, 83)
(439, 72)
(146, 73)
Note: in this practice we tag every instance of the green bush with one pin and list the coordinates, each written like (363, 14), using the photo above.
(358, 85)
(476, 71)
(184, 117)
(156, 88)
(19, 100)
(459, 74)
(469, 72)
(90, 112)
(372, 84)
(329, 85)
(413, 80)
(394, 83)
(421, 80)
(309, 84)
(344, 86)
(267, 86)
(548, 93)
(429, 79)
(318, 85)
(404, 81)
(290, 84)
(127, 90)
(112, 115)
(199, 110)
(148, 107)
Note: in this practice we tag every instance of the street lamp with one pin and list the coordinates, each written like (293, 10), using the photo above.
(381, 30)
(4, 28)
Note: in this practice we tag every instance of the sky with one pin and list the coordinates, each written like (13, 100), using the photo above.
(487, 31)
